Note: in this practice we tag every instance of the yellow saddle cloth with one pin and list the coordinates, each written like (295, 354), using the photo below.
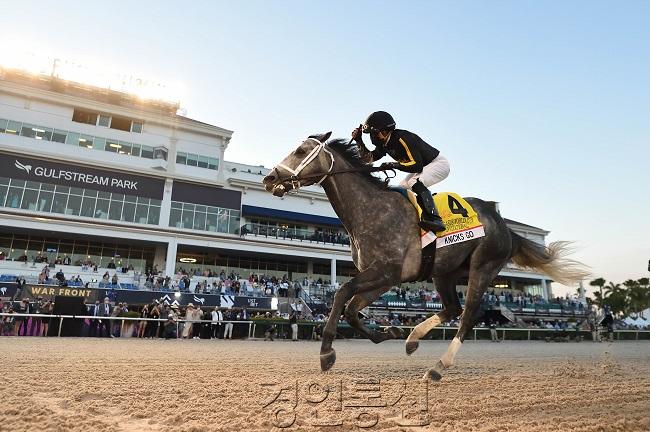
(460, 219)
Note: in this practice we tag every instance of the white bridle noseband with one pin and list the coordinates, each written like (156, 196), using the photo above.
(295, 180)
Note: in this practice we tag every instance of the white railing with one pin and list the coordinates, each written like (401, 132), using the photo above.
(252, 325)
(125, 319)
(529, 331)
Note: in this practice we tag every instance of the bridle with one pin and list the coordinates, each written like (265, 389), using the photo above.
(295, 179)
(313, 154)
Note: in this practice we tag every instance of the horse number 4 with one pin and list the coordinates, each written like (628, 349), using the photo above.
(456, 207)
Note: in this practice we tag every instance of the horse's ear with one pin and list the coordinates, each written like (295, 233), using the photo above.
(322, 137)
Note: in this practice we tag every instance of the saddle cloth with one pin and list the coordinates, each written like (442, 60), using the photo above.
(460, 219)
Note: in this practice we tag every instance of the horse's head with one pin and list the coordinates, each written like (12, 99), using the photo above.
(306, 165)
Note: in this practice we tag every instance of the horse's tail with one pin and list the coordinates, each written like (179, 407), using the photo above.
(550, 260)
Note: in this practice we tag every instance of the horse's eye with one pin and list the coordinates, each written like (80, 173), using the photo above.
(299, 151)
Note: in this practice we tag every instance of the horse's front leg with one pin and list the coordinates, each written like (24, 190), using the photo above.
(380, 275)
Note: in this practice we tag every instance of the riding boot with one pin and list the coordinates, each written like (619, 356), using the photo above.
(431, 220)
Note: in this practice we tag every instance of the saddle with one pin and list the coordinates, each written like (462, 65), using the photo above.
(461, 224)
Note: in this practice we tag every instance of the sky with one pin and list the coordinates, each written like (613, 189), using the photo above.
(541, 106)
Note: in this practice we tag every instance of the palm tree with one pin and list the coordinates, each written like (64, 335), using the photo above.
(643, 294)
(598, 299)
(633, 299)
(600, 283)
(616, 298)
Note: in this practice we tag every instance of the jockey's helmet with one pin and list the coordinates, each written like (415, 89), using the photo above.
(379, 121)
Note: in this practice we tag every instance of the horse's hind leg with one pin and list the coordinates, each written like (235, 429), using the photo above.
(360, 301)
(446, 287)
(479, 279)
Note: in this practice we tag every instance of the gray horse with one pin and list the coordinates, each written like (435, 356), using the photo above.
(386, 247)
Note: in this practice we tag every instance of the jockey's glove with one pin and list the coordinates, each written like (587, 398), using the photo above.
(390, 165)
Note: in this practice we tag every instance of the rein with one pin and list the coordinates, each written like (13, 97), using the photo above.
(295, 178)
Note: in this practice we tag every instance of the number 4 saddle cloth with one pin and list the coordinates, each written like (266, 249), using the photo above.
(460, 219)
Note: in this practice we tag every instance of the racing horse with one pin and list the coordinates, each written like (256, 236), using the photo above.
(386, 247)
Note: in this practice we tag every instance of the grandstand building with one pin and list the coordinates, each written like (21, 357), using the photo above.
(89, 174)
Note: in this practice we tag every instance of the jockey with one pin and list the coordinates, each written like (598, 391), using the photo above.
(425, 165)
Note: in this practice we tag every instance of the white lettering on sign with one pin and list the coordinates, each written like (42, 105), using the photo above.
(461, 236)
(77, 177)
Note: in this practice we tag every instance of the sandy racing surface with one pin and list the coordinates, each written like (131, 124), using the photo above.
(143, 385)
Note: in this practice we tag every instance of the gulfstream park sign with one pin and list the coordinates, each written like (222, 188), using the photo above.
(58, 173)
(78, 177)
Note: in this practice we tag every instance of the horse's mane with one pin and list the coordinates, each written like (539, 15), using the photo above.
(350, 152)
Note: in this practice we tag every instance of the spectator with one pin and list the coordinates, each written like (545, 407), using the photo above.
(189, 318)
(293, 320)
(104, 325)
(114, 279)
(493, 332)
(206, 325)
(95, 312)
(228, 316)
(47, 309)
(60, 277)
(217, 318)
(8, 321)
(269, 331)
(151, 330)
(317, 332)
(115, 324)
(196, 325)
(164, 314)
(170, 327)
(21, 322)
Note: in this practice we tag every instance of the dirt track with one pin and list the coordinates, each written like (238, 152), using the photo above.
(141, 385)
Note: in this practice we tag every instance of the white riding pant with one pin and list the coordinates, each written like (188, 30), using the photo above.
(435, 172)
(227, 334)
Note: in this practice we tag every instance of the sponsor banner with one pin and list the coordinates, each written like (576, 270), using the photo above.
(59, 173)
(48, 292)
(460, 236)
(200, 300)
(7, 290)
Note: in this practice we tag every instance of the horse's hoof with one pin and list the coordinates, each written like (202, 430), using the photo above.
(432, 374)
(394, 332)
(411, 347)
(327, 360)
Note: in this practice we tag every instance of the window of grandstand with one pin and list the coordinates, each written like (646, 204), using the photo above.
(104, 120)
(114, 122)
(48, 198)
(80, 140)
(35, 132)
(200, 161)
(282, 229)
(136, 127)
(83, 116)
(203, 218)
(48, 249)
(120, 123)
(12, 127)
(243, 264)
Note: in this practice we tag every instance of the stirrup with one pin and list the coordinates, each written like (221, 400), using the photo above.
(435, 225)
